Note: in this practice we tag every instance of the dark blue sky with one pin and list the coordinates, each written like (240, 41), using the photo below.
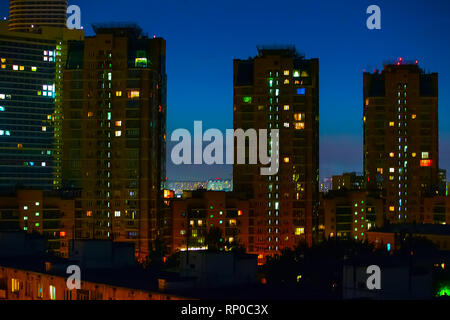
(204, 36)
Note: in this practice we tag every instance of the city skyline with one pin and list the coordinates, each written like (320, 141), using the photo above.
(346, 48)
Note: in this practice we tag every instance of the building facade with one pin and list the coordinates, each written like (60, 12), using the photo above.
(50, 214)
(114, 133)
(197, 212)
(350, 214)
(27, 15)
(30, 106)
(401, 152)
(279, 89)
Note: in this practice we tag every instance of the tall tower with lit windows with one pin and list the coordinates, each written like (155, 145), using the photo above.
(279, 89)
(31, 66)
(114, 133)
(401, 143)
(29, 14)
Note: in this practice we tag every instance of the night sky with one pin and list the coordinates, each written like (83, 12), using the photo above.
(204, 36)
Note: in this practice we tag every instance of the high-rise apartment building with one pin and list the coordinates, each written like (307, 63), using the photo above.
(279, 89)
(114, 133)
(401, 151)
(32, 14)
(31, 66)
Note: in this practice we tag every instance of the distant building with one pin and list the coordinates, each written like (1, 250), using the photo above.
(350, 214)
(279, 89)
(31, 65)
(326, 185)
(391, 236)
(27, 15)
(219, 185)
(436, 210)
(179, 186)
(50, 214)
(114, 143)
(401, 140)
(349, 181)
(192, 216)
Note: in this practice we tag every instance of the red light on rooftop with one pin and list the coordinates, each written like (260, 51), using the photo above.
(425, 163)
(400, 59)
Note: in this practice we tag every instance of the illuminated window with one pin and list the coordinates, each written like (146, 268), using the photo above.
(414, 154)
(425, 155)
(286, 81)
(391, 208)
(15, 285)
(425, 163)
(286, 124)
(286, 107)
(117, 213)
(247, 99)
(88, 213)
(301, 91)
(299, 231)
(380, 170)
(15, 67)
(3, 66)
(52, 293)
(44, 128)
(298, 116)
(34, 69)
(296, 74)
(62, 234)
(3, 60)
(391, 170)
(391, 154)
(391, 178)
(118, 133)
(414, 116)
(133, 94)
(286, 72)
(90, 114)
(299, 125)
(391, 124)
(25, 207)
(118, 93)
(118, 123)
(37, 204)
(286, 160)
(21, 68)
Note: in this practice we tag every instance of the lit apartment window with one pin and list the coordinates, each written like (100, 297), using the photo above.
(425, 155)
(286, 107)
(391, 124)
(118, 123)
(34, 69)
(286, 160)
(301, 91)
(298, 116)
(88, 213)
(391, 208)
(296, 74)
(380, 170)
(299, 125)
(414, 116)
(118, 133)
(44, 128)
(391, 170)
(37, 204)
(299, 231)
(118, 93)
(15, 285)
(391, 154)
(414, 154)
(52, 293)
(15, 67)
(286, 81)
(25, 207)
(286, 72)
(133, 94)
(117, 213)
(286, 124)
(21, 68)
